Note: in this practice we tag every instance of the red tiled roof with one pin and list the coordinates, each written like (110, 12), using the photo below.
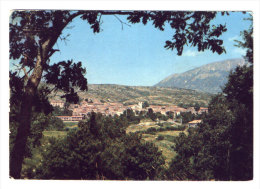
(195, 121)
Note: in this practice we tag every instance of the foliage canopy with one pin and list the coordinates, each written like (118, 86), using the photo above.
(100, 149)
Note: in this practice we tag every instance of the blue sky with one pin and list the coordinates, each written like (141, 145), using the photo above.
(136, 55)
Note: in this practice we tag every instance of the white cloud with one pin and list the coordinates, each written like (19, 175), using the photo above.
(190, 53)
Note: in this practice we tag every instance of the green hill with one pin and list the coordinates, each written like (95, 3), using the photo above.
(134, 94)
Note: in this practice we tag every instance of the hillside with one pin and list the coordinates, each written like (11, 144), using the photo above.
(133, 95)
(208, 78)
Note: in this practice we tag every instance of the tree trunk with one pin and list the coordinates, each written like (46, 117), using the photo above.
(18, 151)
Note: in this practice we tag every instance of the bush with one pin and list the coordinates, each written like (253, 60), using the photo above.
(160, 124)
(55, 124)
(151, 130)
(101, 149)
(160, 137)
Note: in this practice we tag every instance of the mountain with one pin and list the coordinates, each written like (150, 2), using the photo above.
(134, 94)
(207, 78)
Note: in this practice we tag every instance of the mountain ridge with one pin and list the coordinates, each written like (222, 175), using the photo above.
(207, 78)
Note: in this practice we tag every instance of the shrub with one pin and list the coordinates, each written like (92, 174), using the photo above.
(160, 137)
(100, 149)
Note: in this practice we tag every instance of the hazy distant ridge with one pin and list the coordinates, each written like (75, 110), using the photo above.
(207, 78)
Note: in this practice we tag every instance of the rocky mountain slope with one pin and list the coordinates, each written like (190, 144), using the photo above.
(208, 78)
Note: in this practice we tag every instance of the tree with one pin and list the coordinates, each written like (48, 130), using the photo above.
(239, 92)
(33, 35)
(103, 153)
(170, 114)
(151, 114)
(39, 120)
(57, 111)
(203, 154)
(222, 147)
(143, 160)
(197, 107)
(145, 104)
(54, 124)
(161, 116)
(247, 42)
(130, 116)
(38, 124)
(187, 117)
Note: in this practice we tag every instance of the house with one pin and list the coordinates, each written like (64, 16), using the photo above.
(57, 103)
(202, 109)
(194, 123)
(191, 110)
(70, 118)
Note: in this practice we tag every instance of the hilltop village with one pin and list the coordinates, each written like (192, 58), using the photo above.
(79, 111)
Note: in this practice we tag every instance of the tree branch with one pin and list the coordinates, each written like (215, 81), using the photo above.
(115, 12)
(25, 55)
(52, 51)
(50, 91)
(25, 73)
(122, 23)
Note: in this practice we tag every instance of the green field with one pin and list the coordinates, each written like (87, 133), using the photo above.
(135, 128)
(165, 144)
(75, 123)
(56, 134)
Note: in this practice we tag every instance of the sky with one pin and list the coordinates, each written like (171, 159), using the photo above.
(135, 55)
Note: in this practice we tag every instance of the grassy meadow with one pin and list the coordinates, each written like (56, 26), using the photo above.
(162, 139)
